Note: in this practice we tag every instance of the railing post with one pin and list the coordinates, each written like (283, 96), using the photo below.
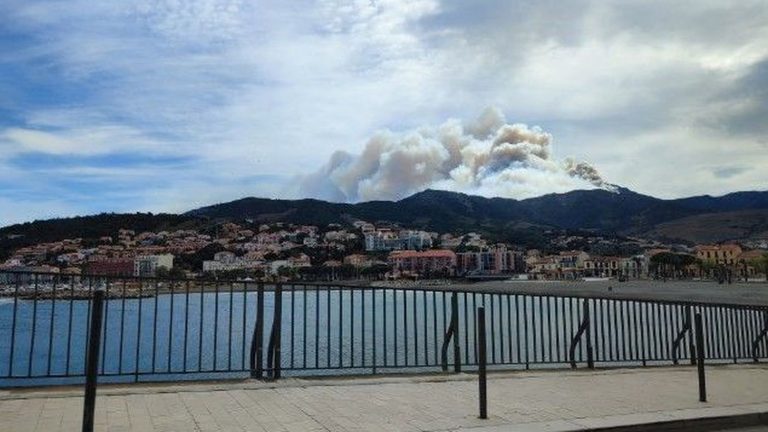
(687, 328)
(456, 339)
(691, 344)
(92, 360)
(452, 335)
(278, 329)
(700, 359)
(759, 338)
(482, 359)
(588, 334)
(274, 348)
(584, 327)
(373, 325)
(257, 340)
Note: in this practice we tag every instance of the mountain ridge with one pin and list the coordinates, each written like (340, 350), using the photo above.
(689, 219)
(621, 212)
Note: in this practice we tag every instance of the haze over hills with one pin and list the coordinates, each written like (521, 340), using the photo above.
(699, 219)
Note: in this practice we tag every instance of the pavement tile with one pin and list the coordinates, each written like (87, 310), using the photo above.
(546, 401)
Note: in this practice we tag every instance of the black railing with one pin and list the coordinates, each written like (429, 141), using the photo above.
(190, 329)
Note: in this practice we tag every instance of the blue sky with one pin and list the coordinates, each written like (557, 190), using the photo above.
(167, 105)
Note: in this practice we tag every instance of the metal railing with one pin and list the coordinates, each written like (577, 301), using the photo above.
(191, 329)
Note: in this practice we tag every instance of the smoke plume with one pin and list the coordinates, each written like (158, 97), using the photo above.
(486, 156)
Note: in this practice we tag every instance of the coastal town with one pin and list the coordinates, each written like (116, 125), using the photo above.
(366, 251)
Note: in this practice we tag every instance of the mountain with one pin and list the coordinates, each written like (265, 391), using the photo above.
(730, 202)
(625, 212)
(601, 210)
(714, 227)
(695, 219)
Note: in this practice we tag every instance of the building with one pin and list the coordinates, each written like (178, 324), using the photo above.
(301, 260)
(27, 274)
(430, 261)
(602, 266)
(387, 240)
(726, 254)
(228, 261)
(358, 260)
(571, 263)
(634, 267)
(542, 266)
(611, 266)
(494, 260)
(147, 265)
(110, 267)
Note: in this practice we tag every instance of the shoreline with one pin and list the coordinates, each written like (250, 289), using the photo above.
(751, 293)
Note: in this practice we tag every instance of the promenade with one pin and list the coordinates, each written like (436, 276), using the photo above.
(751, 294)
(560, 400)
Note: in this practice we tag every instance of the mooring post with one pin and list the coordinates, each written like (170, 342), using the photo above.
(92, 360)
(482, 359)
(700, 358)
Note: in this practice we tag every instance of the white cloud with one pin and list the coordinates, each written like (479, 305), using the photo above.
(89, 140)
(274, 88)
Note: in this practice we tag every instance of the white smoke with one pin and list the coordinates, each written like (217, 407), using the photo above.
(487, 157)
(587, 172)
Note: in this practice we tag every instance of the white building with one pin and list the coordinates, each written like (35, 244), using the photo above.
(383, 240)
(147, 265)
(226, 261)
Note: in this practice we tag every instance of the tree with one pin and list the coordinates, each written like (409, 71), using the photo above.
(669, 264)
(177, 273)
(194, 261)
(162, 272)
(760, 265)
(285, 271)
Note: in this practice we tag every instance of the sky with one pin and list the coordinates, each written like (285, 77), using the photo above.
(168, 105)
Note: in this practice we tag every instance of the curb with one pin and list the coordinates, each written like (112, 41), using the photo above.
(700, 424)
(698, 420)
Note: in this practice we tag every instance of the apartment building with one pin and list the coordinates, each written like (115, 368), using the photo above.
(494, 260)
(147, 265)
(726, 254)
(385, 239)
(430, 261)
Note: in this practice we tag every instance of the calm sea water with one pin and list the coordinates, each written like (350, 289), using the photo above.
(201, 335)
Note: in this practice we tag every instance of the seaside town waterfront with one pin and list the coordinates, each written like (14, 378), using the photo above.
(361, 252)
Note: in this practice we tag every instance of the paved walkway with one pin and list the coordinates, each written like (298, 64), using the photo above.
(541, 400)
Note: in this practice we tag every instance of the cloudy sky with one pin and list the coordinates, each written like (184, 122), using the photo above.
(166, 105)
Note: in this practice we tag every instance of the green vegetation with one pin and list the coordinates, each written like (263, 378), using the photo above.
(760, 265)
(672, 265)
(174, 273)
